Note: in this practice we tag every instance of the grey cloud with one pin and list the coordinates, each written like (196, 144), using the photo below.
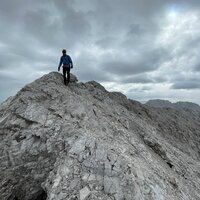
(38, 25)
(75, 26)
(89, 72)
(124, 68)
(10, 10)
(145, 62)
(189, 84)
(197, 68)
(8, 60)
(34, 32)
(137, 79)
(106, 42)
(143, 79)
(9, 85)
(146, 88)
(15, 56)
(135, 29)
(92, 74)
(143, 8)
(49, 24)
(86, 68)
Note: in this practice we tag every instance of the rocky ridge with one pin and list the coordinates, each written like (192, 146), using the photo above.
(83, 142)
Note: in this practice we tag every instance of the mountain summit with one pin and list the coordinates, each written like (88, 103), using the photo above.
(81, 142)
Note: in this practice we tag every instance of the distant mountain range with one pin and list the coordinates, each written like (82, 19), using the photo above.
(158, 103)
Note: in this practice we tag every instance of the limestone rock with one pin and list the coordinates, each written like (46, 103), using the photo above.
(81, 142)
(84, 193)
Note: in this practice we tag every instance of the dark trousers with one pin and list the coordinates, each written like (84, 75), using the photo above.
(66, 70)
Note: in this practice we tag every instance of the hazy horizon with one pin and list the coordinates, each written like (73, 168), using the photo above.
(146, 50)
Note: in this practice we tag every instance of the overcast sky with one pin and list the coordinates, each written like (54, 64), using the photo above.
(146, 49)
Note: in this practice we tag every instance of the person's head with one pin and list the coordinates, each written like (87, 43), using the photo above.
(64, 51)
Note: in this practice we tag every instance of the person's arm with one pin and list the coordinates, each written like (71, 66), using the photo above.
(70, 61)
(60, 63)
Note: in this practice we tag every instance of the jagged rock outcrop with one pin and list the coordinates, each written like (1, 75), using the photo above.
(82, 142)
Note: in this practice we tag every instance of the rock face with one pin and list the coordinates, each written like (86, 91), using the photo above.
(81, 142)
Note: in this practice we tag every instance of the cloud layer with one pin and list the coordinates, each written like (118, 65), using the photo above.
(146, 49)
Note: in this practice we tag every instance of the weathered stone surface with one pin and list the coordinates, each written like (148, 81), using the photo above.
(84, 193)
(79, 141)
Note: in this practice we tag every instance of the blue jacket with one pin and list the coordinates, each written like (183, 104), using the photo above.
(66, 60)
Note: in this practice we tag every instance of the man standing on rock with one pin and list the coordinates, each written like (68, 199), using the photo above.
(67, 64)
